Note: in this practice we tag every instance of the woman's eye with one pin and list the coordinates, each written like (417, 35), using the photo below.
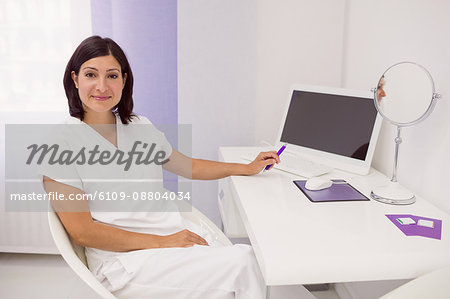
(113, 76)
(90, 75)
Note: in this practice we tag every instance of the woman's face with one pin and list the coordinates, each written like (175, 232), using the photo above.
(99, 83)
(380, 90)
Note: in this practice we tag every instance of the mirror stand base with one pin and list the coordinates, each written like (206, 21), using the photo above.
(394, 194)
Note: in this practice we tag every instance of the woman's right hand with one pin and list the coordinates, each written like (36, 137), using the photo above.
(184, 238)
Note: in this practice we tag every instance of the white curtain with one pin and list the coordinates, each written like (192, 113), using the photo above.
(37, 38)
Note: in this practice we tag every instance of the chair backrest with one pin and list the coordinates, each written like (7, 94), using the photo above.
(76, 259)
(74, 256)
(200, 219)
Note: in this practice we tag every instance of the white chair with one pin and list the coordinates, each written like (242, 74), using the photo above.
(76, 259)
(435, 284)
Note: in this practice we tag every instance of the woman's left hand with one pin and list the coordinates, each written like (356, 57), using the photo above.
(262, 160)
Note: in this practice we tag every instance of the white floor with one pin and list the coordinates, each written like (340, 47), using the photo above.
(24, 276)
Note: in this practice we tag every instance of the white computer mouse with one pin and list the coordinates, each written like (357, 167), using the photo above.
(318, 183)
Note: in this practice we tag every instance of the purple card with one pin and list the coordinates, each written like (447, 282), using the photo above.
(418, 230)
(342, 191)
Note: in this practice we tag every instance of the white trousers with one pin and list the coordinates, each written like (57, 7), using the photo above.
(185, 273)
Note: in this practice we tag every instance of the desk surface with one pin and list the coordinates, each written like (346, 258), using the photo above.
(300, 242)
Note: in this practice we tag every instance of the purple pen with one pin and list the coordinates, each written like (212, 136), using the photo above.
(278, 153)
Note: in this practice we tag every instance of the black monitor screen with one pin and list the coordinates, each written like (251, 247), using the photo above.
(332, 123)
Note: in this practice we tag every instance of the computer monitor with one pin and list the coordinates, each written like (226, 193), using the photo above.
(332, 126)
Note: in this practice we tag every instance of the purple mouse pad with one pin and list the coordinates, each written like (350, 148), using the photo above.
(340, 191)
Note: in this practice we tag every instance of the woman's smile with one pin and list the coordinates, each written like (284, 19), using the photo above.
(101, 98)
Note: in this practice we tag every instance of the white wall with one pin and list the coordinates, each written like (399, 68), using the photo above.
(299, 41)
(216, 79)
(380, 34)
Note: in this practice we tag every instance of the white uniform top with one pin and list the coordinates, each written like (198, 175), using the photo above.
(113, 181)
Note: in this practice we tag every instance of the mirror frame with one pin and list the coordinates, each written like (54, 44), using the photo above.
(434, 97)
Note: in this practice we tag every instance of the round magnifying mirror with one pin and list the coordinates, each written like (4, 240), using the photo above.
(404, 96)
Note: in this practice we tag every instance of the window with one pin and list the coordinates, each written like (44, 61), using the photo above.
(37, 38)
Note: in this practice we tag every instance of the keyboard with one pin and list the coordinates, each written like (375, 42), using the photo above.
(297, 165)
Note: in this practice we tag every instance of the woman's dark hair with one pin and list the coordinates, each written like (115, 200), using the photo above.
(92, 47)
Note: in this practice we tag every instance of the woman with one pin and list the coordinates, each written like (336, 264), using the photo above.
(135, 253)
(380, 90)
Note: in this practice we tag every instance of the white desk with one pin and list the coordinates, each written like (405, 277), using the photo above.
(300, 242)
